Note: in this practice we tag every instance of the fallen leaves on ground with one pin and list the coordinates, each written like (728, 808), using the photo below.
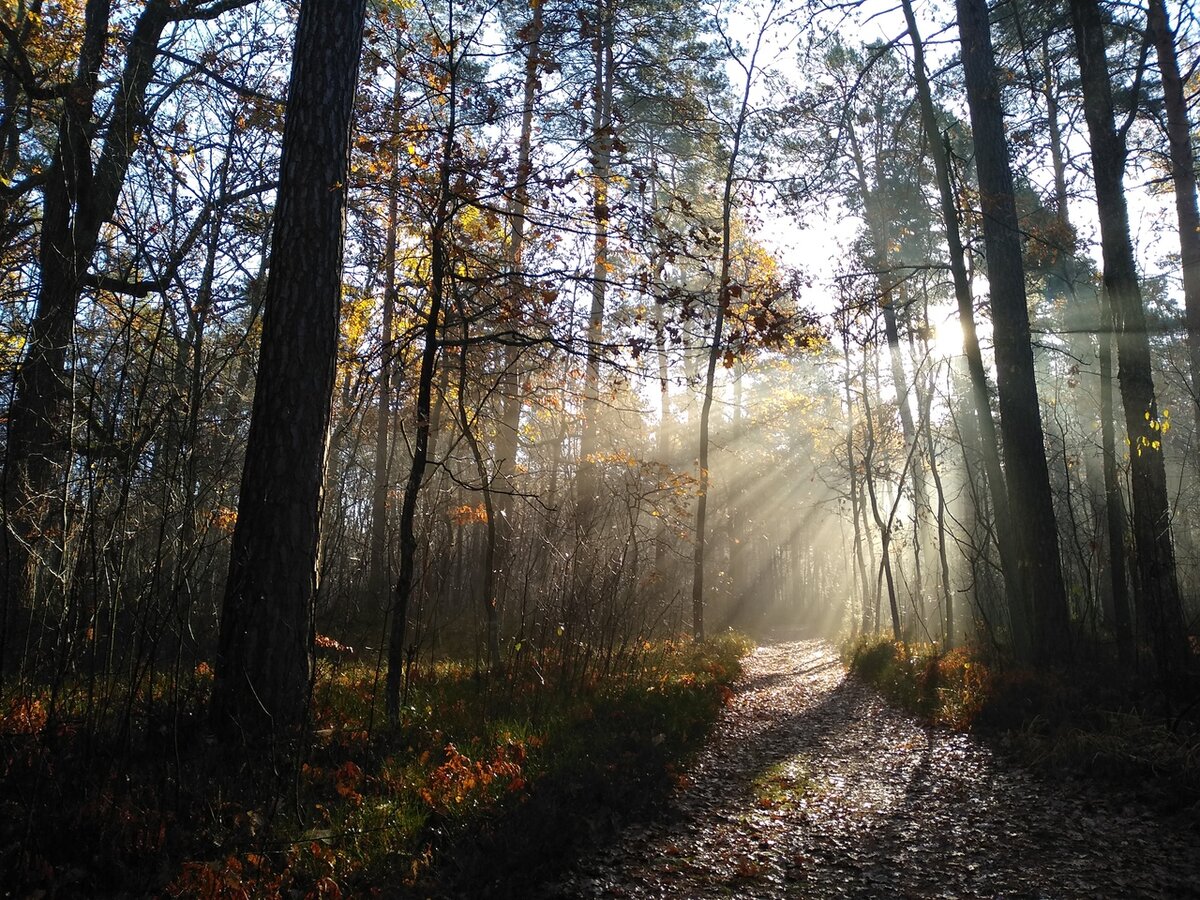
(813, 787)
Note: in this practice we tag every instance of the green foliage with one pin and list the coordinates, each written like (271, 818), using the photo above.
(515, 771)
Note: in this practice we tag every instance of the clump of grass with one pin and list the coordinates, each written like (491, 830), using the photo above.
(949, 688)
(783, 785)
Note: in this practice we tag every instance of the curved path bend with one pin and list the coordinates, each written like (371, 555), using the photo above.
(811, 786)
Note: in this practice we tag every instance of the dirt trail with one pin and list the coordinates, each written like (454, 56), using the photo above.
(812, 787)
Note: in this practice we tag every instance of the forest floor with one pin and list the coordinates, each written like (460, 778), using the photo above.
(812, 786)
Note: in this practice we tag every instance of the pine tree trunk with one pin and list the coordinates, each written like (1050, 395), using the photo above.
(1160, 611)
(511, 387)
(1183, 173)
(1084, 316)
(265, 644)
(987, 444)
(1114, 503)
(1028, 476)
(587, 478)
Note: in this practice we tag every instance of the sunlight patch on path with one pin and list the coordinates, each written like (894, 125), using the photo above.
(812, 787)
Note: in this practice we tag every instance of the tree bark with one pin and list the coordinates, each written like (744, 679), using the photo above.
(263, 660)
(1183, 173)
(587, 478)
(987, 444)
(1160, 611)
(1028, 476)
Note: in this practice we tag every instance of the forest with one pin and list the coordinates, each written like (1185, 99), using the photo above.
(436, 432)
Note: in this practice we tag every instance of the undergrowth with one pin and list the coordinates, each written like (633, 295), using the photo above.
(1086, 721)
(480, 776)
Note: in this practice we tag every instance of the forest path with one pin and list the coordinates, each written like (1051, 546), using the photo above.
(811, 786)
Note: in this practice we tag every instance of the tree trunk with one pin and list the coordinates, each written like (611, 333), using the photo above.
(1084, 317)
(1028, 476)
(378, 579)
(491, 611)
(438, 265)
(988, 443)
(714, 352)
(79, 197)
(263, 661)
(852, 471)
(511, 379)
(39, 417)
(885, 527)
(1160, 611)
(587, 476)
(1114, 504)
(1183, 173)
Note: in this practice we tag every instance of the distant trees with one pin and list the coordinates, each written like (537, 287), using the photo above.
(726, 289)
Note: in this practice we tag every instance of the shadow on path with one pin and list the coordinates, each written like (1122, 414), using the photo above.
(813, 787)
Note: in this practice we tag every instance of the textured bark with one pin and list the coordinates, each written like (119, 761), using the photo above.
(1027, 474)
(266, 632)
(1183, 173)
(587, 485)
(988, 443)
(511, 387)
(1160, 612)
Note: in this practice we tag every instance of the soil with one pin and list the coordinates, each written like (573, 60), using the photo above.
(812, 786)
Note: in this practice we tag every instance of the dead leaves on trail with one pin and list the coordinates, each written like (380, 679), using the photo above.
(813, 787)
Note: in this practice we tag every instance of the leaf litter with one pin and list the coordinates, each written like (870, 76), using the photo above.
(812, 786)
